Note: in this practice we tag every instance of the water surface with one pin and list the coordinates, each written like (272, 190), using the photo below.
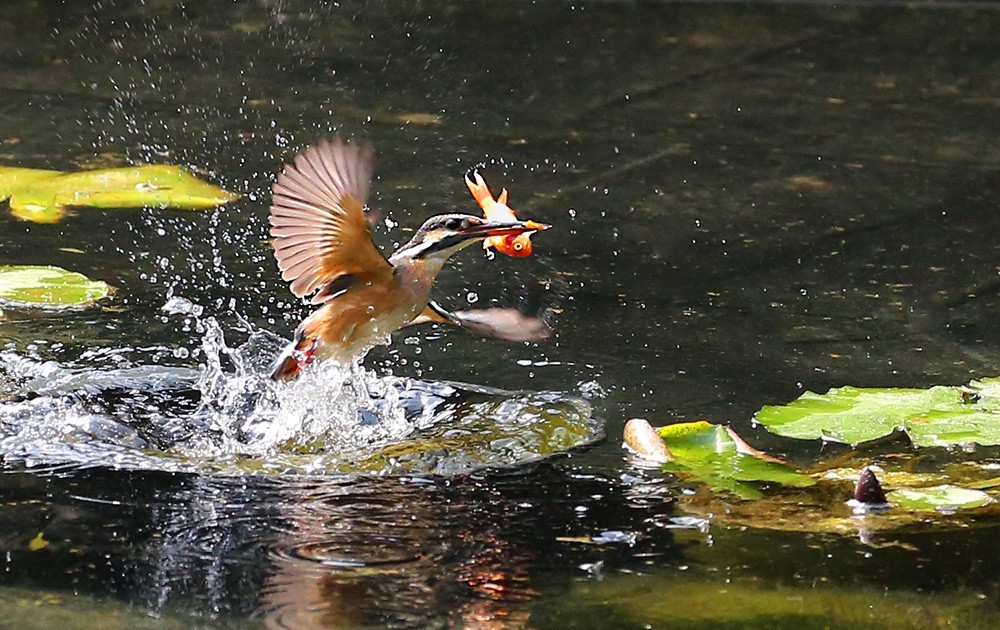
(750, 200)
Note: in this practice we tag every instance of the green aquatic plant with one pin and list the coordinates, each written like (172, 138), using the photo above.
(725, 468)
(48, 286)
(42, 196)
(938, 416)
(671, 599)
(716, 456)
(944, 498)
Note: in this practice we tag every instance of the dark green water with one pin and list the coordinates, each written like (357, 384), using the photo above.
(750, 200)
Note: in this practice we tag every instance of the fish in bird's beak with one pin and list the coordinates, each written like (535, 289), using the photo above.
(489, 229)
(497, 209)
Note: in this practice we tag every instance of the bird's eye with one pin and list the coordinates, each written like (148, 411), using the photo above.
(518, 246)
(453, 224)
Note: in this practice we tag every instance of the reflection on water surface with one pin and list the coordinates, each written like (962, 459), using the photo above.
(748, 199)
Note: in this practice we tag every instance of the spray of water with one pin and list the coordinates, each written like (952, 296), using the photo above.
(124, 408)
(331, 407)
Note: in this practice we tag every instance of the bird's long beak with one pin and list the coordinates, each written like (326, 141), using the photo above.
(498, 228)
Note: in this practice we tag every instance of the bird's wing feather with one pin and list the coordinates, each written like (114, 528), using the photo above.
(433, 312)
(502, 323)
(318, 222)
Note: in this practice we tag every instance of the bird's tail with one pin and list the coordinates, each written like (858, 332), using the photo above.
(293, 358)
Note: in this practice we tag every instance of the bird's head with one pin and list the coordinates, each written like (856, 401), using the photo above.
(443, 235)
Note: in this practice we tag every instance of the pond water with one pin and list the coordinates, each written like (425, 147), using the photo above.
(749, 201)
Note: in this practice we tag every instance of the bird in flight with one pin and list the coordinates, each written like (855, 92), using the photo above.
(324, 249)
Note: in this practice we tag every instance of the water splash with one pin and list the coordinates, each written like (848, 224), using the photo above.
(228, 416)
(330, 407)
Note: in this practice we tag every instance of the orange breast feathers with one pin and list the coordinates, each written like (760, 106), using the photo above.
(498, 210)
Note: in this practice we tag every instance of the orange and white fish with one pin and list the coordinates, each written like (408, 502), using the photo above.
(518, 245)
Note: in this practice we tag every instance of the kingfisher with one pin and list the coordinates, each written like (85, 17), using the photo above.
(324, 249)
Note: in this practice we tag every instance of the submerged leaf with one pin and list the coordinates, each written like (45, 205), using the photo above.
(710, 454)
(496, 431)
(895, 478)
(943, 498)
(42, 196)
(667, 600)
(48, 286)
(939, 416)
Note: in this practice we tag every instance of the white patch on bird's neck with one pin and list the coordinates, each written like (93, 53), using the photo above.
(430, 262)
(411, 250)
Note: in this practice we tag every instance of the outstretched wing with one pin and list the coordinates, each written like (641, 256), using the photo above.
(502, 323)
(321, 237)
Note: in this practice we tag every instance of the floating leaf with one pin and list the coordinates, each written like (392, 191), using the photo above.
(939, 416)
(709, 453)
(42, 196)
(645, 442)
(945, 498)
(984, 393)
(985, 484)
(822, 509)
(38, 543)
(48, 286)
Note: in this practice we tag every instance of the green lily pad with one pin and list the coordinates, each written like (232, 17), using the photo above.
(824, 508)
(939, 416)
(48, 286)
(944, 498)
(712, 455)
(42, 196)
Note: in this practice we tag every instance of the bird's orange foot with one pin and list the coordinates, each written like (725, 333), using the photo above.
(293, 359)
